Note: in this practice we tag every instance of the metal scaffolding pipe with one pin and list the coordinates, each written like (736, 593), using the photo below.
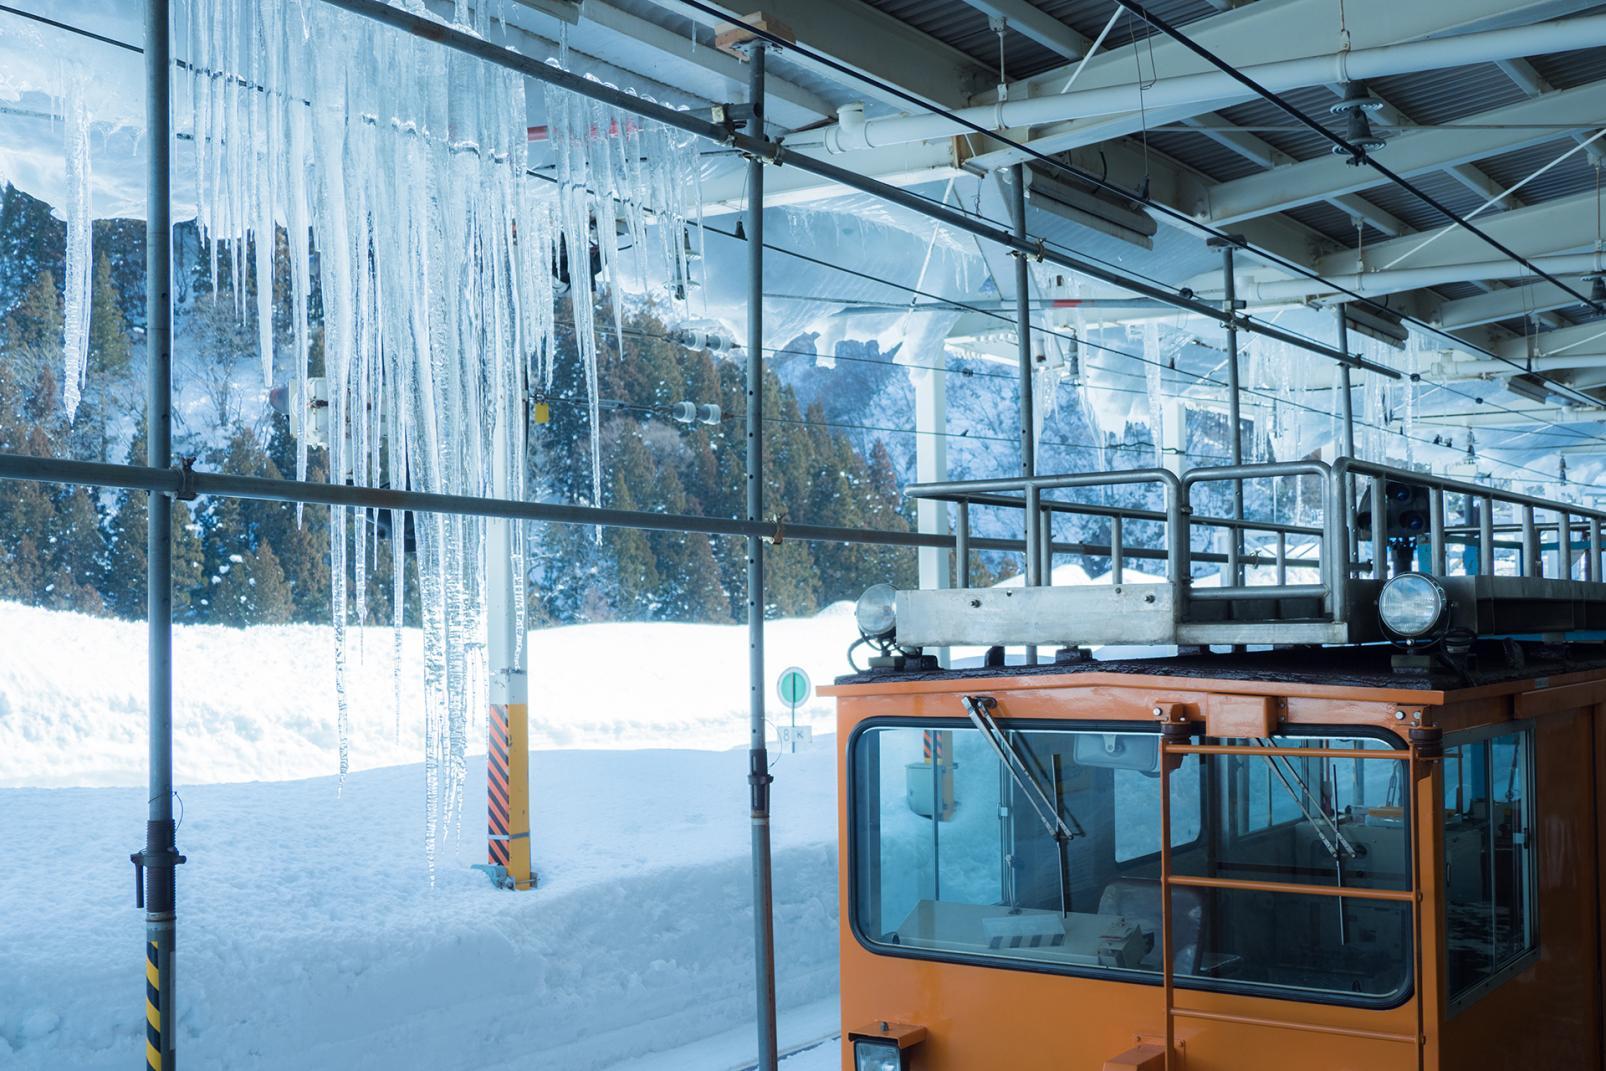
(1023, 355)
(1214, 88)
(158, 860)
(1346, 403)
(758, 774)
(1234, 415)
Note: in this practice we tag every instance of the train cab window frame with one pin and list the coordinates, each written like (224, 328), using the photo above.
(988, 882)
(1487, 817)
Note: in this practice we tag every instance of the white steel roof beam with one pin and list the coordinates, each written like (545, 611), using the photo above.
(1032, 22)
(1503, 305)
(1386, 38)
(1253, 148)
(1412, 153)
(1547, 227)
(866, 40)
(1568, 342)
(1531, 82)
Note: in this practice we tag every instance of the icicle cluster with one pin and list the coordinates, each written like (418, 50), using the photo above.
(614, 171)
(394, 173)
(80, 257)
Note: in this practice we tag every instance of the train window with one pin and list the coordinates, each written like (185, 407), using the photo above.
(1489, 875)
(950, 858)
(1316, 819)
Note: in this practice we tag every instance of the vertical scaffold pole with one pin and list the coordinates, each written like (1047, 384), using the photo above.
(1346, 403)
(507, 728)
(1229, 281)
(758, 775)
(157, 863)
(1023, 329)
(1028, 439)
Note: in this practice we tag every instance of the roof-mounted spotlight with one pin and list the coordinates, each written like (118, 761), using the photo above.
(1355, 108)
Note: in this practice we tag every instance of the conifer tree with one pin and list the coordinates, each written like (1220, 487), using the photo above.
(123, 573)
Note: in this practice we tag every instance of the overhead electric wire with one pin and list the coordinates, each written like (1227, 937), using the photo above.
(1132, 195)
(68, 27)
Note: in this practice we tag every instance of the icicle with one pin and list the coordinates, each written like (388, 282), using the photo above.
(408, 215)
(80, 246)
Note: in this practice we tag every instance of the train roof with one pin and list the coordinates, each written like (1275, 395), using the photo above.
(1370, 666)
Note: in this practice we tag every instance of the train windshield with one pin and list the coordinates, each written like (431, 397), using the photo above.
(954, 858)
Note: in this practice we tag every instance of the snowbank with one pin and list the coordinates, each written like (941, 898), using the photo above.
(310, 936)
(258, 704)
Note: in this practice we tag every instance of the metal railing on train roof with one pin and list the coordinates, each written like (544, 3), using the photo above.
(1336, 537)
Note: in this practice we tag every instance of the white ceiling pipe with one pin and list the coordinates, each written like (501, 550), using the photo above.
(1210, 86)
(1373, 283)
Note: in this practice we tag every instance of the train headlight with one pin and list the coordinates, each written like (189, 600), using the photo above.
(876, 612)
(877, 1054)
(1412, 606)
(882, 1046)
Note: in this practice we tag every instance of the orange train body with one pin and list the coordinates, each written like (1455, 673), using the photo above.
(1545, 1012)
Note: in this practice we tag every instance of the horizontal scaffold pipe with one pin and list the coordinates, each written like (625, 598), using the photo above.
(1211, 88)
(775, 153)
(257, 488)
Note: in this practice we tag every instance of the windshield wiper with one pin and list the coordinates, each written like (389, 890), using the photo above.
(979, 707)
(1342, 846)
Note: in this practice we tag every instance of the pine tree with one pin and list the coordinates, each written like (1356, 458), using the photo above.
(252, 590)
(637, 582)
(123, 575)
(110, 349)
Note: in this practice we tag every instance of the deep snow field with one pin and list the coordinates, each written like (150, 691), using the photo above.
(309, 933)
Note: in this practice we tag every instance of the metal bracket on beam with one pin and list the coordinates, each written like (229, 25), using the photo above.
(186, 480)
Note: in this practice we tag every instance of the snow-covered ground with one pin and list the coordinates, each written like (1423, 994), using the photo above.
(259, 704)
(309, 933)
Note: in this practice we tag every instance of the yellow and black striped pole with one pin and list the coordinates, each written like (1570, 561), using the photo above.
(158, 988)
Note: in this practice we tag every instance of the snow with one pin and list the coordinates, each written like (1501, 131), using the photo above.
(309, 933)
(256, 704)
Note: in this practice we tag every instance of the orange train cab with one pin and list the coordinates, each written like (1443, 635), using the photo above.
(1246, 861)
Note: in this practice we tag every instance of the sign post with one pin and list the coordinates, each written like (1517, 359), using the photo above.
(794, 688)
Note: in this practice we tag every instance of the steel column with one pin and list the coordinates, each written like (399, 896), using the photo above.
(1023, 350)
(758, 776)
(160, 857)
(1486, 537)
(1235, 537)
(1532, 565)
(1346, 401)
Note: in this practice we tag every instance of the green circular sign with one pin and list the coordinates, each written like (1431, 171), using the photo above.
(794, 687)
